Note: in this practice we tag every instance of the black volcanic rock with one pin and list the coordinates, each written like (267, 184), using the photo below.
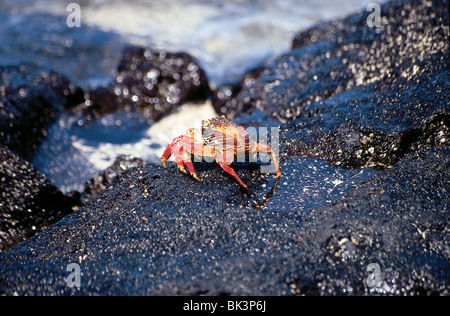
(398, 220)
(29, 100)
(358, 96)
(103, 179)
(224, 97)
(153, 82)
(156, 231)
(360, 128)
(28, 201)
(348, 53)
(346, 94)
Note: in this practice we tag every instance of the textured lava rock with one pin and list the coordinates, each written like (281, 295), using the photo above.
(156, 231)
(360, 96)
(334, 57)
(374, 129)
(28, 201)
(224, 97)
(342, 95)
(103, 179)
(29, 100)
(154, 82)
(398, 220)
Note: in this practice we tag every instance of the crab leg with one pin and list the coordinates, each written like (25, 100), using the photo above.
(267, 149)
(184, 159)
(168, 152)
(181, 147)
(232, 172)
(166, 155)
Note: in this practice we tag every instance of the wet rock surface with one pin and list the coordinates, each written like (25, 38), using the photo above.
(30, 99)
(334, 57)
(99, 182)
(358, 96)
(225, 100)
(364, 129)
(155, 231)
(28, 201)
(374, 129)
(153, 82)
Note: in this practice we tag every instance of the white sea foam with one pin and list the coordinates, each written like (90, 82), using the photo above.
(227, 37)
(152, 141)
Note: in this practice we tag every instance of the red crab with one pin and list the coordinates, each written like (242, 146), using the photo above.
(221, 140)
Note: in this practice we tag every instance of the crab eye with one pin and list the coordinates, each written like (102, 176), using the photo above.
(195, 134)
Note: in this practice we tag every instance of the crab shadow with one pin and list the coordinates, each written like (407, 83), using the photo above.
(261, 186)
